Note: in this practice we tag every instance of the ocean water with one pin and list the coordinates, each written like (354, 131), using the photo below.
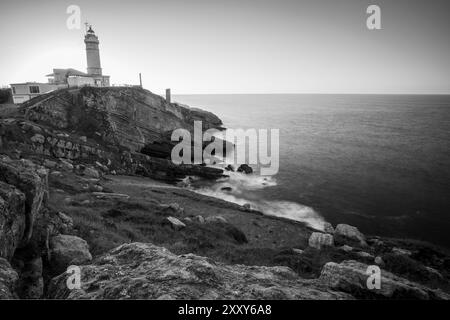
(379, 162)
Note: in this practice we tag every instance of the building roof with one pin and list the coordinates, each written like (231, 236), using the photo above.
(67, 72)
(28, 83)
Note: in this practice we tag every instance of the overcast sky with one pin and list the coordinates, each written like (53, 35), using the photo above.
(237, 46)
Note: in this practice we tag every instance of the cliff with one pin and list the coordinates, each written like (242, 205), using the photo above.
(105, 125)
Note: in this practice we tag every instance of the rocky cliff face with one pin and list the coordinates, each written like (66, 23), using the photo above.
(124, 116)
(105, 125)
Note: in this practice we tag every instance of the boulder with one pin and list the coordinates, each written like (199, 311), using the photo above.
(318, 240)
(345, 233)
(91, 172)
(245, 168)
(212, 219)
(351, 276)
(38, 138)
(65, 165)
(66, 221)
(328, 228)
(50, 164)
(364, 254)
(379, 261)
(346, 248)
(146, 271)
(8, 280)
(175, 223)
(172, 207)
(402, 252)
(199, 219)
(66, 250)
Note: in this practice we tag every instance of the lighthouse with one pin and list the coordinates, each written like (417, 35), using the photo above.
(94, 68)
(92, 53)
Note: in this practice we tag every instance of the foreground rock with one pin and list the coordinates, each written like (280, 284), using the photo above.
(145, 271)
(351, 276)
(68, 250)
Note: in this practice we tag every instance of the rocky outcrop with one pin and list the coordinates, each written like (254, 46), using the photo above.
(126, 116)
(145, 271)
(351, 276)
(23, 188)
(12, 219)
(66, 250)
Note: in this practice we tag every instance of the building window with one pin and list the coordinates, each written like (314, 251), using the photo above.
(34, 89)
(13, 90)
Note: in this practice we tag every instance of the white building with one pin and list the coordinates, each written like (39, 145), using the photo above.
(64, 78)
(22, 92)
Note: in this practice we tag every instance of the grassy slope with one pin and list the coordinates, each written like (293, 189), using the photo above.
(106, 224)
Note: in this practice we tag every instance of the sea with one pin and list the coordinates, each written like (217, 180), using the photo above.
(378, 162)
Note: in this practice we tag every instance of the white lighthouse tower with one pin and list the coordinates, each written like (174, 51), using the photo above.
(94, 68)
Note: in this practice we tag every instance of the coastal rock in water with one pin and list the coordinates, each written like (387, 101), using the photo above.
(8, 280)
(351, 276)
(229, 168)
(175, 223)
(145, 271)
(318, 240)
(68, 250)
(345, 233)
(245, 168)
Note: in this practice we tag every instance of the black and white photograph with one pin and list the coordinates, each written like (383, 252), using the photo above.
(224, 155)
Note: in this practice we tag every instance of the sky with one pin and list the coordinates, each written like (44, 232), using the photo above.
(236, 46)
